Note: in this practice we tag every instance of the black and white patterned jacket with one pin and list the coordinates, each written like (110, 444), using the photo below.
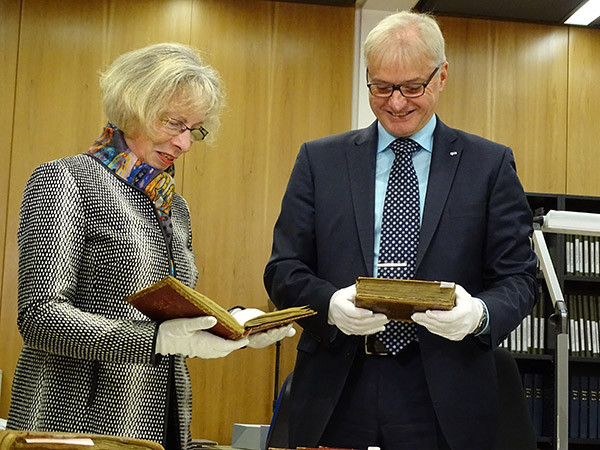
(87, 240)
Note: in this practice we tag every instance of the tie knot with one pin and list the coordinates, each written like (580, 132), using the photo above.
(404, 146)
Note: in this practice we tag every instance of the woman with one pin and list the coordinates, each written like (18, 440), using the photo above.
(99, 226)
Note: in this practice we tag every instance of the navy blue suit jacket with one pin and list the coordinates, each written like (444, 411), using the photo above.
(475, 232)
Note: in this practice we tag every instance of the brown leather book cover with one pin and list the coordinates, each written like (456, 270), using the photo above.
(169, 299)
(399, 299)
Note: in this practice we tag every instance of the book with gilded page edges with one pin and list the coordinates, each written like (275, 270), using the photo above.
(169, 298)
(399, 299)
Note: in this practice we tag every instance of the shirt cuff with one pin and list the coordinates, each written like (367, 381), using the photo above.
(486, 322)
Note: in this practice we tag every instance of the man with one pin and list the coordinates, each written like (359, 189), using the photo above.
(452, 210)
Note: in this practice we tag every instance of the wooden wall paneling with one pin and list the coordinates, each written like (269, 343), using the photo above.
(288, 78)
(132, 24)
(466, 100)
(584, 109)
(510, 86)
(10, 11)
(530, 101)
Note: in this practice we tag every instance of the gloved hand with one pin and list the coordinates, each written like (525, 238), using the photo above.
(186, 336)
(244, 315)
(456, 323)
(350, 319)
(264, 338)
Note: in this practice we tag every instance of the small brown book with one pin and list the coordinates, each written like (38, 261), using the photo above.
(399, 299)
(169, 298)
(20, 439)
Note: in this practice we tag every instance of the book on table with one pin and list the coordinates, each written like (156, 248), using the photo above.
(399, 299)
(169, 299)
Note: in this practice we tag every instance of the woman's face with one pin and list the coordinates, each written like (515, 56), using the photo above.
(163, 150)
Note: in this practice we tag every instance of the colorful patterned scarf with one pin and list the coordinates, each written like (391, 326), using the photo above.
(111, 149)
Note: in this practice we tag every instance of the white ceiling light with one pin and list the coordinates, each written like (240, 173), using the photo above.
(585, 15)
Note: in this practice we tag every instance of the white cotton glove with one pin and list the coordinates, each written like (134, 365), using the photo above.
(244, 315)
(456, 323)
(350, 319)
(263, 338)
(186, 337)
(266, 338)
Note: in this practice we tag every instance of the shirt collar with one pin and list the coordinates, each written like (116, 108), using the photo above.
(423, 137)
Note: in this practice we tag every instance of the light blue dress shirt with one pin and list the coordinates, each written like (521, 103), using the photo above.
(383, 166)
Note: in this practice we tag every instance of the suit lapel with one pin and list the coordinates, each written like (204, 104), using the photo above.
(361, 171)
(444, 163)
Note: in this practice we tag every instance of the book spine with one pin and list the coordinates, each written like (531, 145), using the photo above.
(588, 326)
(543, 323)
(595, 337)
(528, 380)
(569, 254)
(593, 408)
(577, 250)
(535, 323)
(586, 256)
(583, 408)
(538, 405)
(573, 329)
(597, 254)
(574, 407)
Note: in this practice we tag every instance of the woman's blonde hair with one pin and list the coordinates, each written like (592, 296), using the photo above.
(140, 85)
(405, 36)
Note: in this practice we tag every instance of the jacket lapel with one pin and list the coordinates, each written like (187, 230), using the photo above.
(361, 171)
(444, 163)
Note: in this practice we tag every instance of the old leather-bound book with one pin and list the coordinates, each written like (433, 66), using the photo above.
(399, 299)
(169, 298)
(38, 440)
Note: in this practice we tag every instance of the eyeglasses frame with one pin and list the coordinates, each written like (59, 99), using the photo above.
(398, 87)
(203, 131)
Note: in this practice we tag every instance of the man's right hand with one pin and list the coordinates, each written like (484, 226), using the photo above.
(350, 319)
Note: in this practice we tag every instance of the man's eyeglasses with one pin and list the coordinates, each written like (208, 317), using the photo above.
(175, 127)
(408, 90)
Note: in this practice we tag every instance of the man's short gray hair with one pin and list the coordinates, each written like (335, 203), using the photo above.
(405, 36)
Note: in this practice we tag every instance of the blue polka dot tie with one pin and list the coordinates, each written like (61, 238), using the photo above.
(400, 225)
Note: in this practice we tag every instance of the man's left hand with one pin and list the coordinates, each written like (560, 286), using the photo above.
(456, 323)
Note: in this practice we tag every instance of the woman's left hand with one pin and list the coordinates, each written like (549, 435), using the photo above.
(264, 338)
